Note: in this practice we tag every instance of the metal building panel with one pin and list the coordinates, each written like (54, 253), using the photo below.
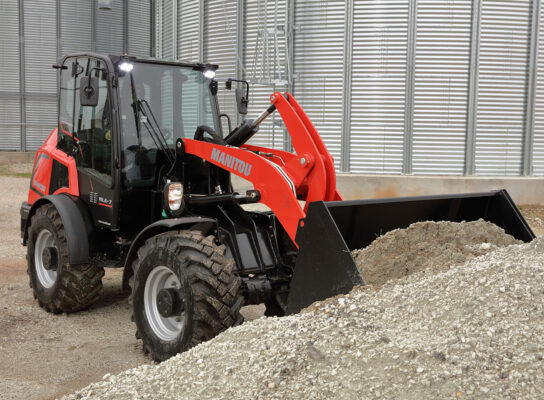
(40, 46)
(188, 34)
(502, 84)
(441, 86)
(41, 119)
(109, 29)
(318, 71)
(220, 47)
(538, 139)
(10, 106)
(9, 46)
(378, 86)
(139, 27)
(168, 29)
(40, 78)
(188, 30)
(75, 26)
(10, 122)
(259, 17)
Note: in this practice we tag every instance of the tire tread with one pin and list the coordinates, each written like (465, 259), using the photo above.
(215, 288)
(78, 286)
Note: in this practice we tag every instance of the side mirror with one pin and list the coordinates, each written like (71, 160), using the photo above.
(213, 87)
(88, 91)
(241, 101)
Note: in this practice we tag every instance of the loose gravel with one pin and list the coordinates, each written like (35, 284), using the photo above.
(427, 246)
(474, 331)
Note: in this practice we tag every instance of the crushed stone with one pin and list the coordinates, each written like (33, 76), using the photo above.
(427, 246)
(474, 331)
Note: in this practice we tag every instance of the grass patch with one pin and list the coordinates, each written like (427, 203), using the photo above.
(4, 171)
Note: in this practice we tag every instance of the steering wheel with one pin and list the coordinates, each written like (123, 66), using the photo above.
(215, 137)
(66, 127)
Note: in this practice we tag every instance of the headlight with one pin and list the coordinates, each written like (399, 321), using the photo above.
(126, 66)
(209, 73)
(173, 196)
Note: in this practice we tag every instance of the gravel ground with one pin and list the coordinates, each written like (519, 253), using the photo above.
(474, 331)
(17, 169)
(45, 356)
(427, 246)
(13, 191)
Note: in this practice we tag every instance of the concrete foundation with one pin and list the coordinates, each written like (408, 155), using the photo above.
(16, 157)
(524, 190)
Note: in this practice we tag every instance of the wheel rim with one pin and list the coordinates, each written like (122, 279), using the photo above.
(46, 277)
(168, 328)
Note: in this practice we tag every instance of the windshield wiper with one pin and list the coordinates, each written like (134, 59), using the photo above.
(135, 108)
(154, 129)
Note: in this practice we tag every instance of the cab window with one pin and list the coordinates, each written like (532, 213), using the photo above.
(66, 106)
(176, 100)
(93, 125)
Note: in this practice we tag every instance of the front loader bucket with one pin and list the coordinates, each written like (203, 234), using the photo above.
(331, 230)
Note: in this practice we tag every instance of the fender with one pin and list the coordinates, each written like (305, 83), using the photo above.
(73, 215)
(157, 227)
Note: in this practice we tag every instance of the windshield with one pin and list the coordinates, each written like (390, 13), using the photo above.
(179, 99)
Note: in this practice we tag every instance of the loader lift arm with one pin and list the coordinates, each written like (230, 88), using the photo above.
(282, 178)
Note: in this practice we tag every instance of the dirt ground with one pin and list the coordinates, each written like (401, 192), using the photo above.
(45, 356)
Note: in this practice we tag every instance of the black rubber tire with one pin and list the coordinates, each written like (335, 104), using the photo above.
(209, 288)
(76, 286)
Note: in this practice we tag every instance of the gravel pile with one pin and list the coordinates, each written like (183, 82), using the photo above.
(427, 246)
(474, 331)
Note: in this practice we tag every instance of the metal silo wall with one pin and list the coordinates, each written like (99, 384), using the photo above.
(422, 87)
(441, 81)
(502, 87)
(34, 34)
(10, 100)
(378, 92)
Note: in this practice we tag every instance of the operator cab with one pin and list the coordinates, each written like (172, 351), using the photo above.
(120, 117)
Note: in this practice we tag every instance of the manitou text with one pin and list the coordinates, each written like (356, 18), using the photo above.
(231, 162)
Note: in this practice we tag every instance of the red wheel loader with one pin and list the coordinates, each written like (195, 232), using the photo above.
(137, 175)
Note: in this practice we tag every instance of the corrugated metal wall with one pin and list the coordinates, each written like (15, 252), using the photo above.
(49, 30)
(110, 38)
(262, 29)
(538, 147)
(76, 33)
(10, 101)
(318, 67)
(188, 30)
(40, 52)
(502, 87)
(380, 35)
(220, 46)
(442, 62)
(166, 33)
(393, 86)
(139, 14)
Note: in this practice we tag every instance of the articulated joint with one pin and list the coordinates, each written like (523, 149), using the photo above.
(257, 290)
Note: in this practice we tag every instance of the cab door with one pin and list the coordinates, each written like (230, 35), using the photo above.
(93, 147)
